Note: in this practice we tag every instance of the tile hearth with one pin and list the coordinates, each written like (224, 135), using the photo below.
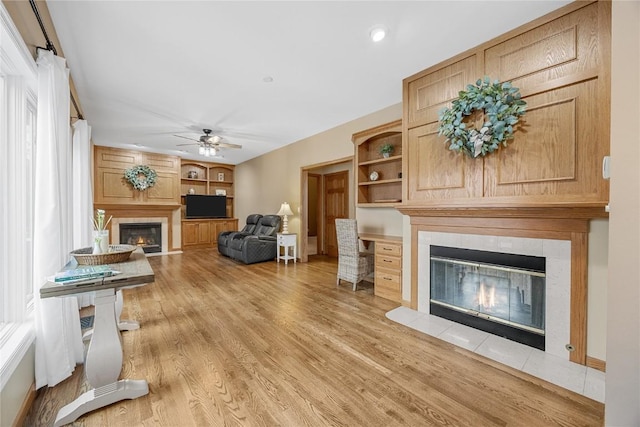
(572, 376)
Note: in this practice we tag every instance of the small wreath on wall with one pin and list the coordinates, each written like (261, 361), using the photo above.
(141, 177)
(502, 108)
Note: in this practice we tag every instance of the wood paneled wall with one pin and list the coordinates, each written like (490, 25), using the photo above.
(548, 181)
(561, 65)
(110, 186)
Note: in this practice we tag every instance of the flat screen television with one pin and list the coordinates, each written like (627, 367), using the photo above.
(205, 206)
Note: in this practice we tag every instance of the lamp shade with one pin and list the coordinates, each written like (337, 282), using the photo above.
(285, 209)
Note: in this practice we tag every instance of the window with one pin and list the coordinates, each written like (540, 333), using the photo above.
(18, 106)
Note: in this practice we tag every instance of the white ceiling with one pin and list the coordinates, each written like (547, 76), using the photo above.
(148, 70)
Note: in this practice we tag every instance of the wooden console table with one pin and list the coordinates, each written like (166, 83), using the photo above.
(103, 362)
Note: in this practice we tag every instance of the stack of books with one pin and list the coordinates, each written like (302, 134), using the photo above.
(84, 273)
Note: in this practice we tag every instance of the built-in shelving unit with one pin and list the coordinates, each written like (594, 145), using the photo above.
(206, 178)
(378, 178)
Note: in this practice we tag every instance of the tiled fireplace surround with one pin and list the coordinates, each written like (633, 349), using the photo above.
(164, 226)
(165, 215)
(558, 275)
(563, 242)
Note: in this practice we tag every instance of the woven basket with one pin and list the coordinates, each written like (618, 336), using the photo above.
(117, 253)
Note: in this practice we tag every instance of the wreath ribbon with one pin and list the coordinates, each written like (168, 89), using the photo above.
(502, 106)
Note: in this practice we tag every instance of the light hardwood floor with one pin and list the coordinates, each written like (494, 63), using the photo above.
(223, 344)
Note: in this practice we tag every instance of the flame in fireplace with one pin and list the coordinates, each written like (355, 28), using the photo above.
(486, 298)
(140, 241)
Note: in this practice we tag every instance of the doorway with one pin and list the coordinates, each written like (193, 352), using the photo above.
(314, 181)
(336, 205)
(314, 189)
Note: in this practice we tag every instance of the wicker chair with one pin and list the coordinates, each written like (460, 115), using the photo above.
(353, 265)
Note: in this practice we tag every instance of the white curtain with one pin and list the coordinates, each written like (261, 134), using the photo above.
(82, 194)
(57, 320)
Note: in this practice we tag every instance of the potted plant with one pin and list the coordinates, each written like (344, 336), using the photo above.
(386, 150)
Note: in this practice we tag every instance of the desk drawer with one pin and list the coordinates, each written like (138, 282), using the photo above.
(388, 278)
(390, 262)
(388, 284)
(388, 249)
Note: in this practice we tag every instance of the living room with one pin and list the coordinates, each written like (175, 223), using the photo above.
(335, 144)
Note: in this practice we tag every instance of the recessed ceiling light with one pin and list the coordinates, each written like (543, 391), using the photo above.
(267, 79)
(378, 33)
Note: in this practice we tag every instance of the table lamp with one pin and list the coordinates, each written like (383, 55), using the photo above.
(285, 210)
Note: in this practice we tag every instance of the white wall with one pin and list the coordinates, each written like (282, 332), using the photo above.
(17, 388)
(267, 181)
(622, 400)
(597, 289)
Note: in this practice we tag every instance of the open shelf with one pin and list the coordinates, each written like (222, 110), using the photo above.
(387, 189)
(203, 178)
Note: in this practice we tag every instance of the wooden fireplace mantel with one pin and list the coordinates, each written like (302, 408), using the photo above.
(471, 208)
(121, 211)
(542, 222)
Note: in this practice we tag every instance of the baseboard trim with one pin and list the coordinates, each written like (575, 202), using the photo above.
(598, 364)
(26, 406)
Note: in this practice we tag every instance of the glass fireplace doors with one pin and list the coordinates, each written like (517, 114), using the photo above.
(500, 293)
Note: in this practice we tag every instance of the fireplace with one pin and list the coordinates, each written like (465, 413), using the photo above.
(499, 293)
(148, 235)
(557, 255)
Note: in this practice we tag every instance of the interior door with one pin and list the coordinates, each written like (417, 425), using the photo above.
(336, 205)
(314, 212)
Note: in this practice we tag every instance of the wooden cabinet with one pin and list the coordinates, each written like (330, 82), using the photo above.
(203, 233)
(426, 93)
(378, 178)
(111, 188)
(388, 270)
(208, 178)
(561, 67)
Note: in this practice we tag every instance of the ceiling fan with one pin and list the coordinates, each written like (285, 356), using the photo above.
(209, 145)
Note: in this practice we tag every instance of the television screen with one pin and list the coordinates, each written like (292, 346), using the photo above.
(205, 206)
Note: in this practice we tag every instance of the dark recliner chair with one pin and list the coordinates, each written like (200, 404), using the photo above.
(259, 246)
(225, 237)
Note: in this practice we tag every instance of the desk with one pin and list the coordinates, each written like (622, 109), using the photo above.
(103, 363)
(387, 265)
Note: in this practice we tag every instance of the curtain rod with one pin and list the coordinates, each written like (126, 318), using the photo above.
(52, 48)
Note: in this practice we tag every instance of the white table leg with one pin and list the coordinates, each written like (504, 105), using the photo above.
(100, 397)
(103, 365)
(124, 324)
(104, 356)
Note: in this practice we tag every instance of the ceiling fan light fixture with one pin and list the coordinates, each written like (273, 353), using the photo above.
(207, 150)
(201, 150)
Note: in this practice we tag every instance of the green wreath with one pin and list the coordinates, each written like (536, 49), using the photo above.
(141, 177)
(502, 107)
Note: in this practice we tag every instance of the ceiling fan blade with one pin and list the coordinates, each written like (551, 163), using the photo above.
(190, 139)
(193, 143)
(228, 145)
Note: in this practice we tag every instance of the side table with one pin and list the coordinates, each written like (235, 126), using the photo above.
(287, 241)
